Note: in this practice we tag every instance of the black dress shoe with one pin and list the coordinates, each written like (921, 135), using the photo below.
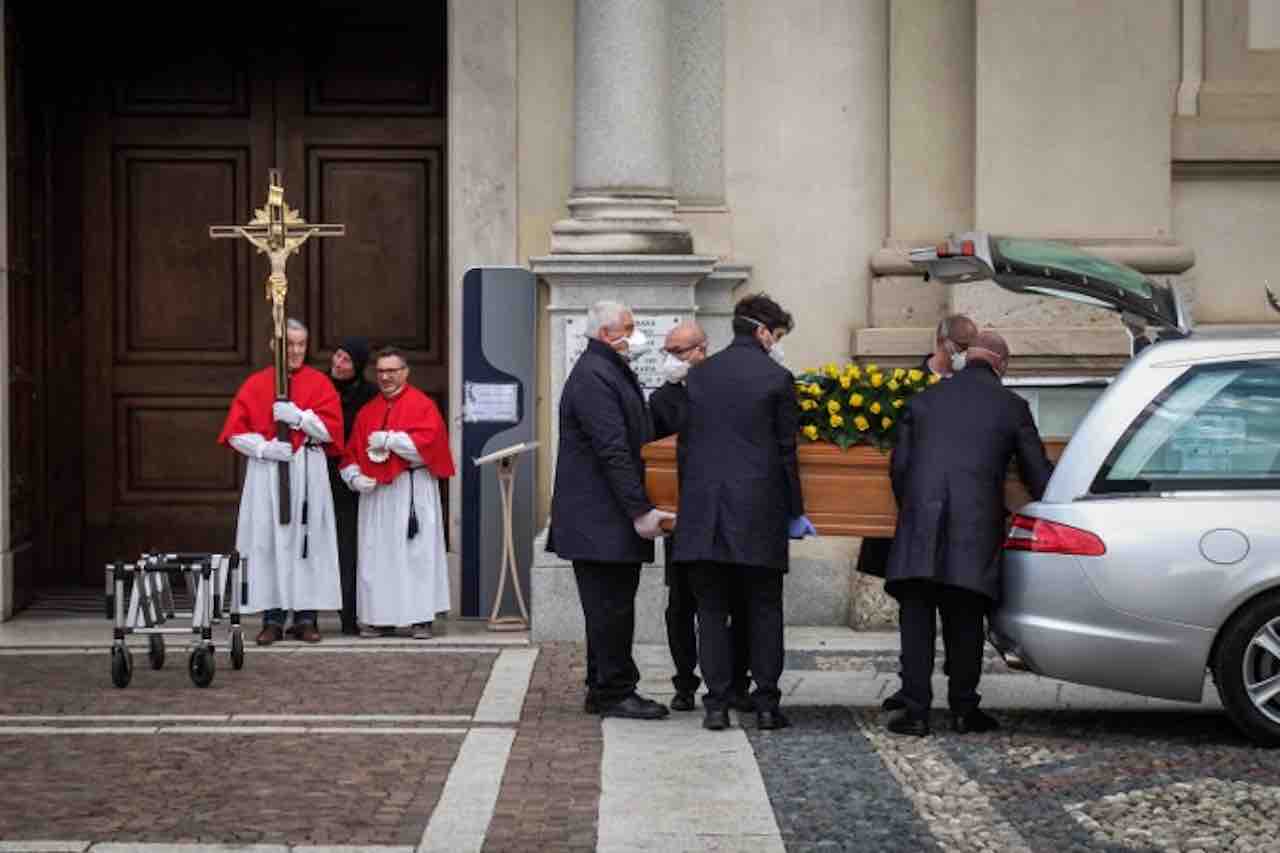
(893, 702)
(716, 719)
(635, 707)
(774, 719)
(973, 721)
(682, 701)
(906, 724)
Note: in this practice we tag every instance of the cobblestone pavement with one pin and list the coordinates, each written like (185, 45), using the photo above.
(454, 749)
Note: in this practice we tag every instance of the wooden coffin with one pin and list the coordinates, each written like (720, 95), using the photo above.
(846, 493)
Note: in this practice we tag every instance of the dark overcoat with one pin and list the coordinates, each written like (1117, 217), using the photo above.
(599, 482)
(740, 480)
(669, 406)
(955, 442)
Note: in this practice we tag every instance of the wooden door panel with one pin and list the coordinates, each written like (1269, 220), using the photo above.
(388, 67)
(383, 279)
(155, 435)
(208, 81)
(181, 296)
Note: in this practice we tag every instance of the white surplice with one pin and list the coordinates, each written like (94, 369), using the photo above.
(279, 576)
(402, 581)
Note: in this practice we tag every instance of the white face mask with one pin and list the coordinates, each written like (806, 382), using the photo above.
(958, 361)
(776, 353)
(637, 345)
(673, 369)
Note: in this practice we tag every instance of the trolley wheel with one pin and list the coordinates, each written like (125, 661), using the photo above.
(201, 667)
(155, 651)
(237, 650)
(121, 666)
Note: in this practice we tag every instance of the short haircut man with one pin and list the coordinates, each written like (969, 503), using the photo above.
(954, 445)
(740, 499)
(398, 453)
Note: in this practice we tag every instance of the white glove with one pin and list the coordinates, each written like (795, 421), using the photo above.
(402, 445)
(276, 450)
(362, 484)
(378, 451)
(287, 412)
(649, 525)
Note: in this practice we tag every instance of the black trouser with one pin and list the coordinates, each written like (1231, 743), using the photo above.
(682, 636)
(608, 595)
(346, 511)
(715, 585)
(962, 636)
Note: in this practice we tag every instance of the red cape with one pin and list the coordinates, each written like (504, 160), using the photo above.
(308, 389)
(412, 412)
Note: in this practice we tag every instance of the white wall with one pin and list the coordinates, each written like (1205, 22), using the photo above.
(1231, 222)
(806, 158)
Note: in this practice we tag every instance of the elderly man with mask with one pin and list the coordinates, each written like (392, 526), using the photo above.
(948, 467)
(601, 518)
(346, 372)
(685, 348)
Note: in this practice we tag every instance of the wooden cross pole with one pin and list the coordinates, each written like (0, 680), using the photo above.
(277, 231)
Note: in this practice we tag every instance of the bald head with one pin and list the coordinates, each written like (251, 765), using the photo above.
(989, 348)
(958, 329)
(687, 342)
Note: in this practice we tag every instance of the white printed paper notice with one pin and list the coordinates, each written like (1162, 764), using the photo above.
(490, 403)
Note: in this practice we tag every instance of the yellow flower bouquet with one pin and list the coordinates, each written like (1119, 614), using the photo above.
(856, 404)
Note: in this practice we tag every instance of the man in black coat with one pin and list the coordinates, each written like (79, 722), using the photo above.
(948, 468)
(951, 339)
(346, 372)
(739, 501)
(601, 518)
(685, 348)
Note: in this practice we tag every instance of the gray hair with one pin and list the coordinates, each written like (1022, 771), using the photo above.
(604, 314)
(294, 325)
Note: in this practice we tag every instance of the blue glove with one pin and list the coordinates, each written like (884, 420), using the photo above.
(800, 527)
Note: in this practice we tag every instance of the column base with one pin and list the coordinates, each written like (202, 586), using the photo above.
(636, 224)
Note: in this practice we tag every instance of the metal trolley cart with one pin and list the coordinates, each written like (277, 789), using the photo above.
(151, 604)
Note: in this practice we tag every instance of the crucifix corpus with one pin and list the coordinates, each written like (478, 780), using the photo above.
(277, 231)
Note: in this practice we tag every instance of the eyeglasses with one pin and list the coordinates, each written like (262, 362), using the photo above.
(679, 351)
(389, 371)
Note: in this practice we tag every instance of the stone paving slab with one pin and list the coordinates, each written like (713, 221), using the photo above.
(335, 789)
(367, 683)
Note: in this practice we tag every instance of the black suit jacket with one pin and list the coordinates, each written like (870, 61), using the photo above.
(599, 482)
(739, 480)
(955, 441)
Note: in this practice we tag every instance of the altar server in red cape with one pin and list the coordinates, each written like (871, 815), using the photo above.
(292, 566)
(397, 453)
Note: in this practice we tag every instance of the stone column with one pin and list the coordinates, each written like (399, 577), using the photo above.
(622, 202)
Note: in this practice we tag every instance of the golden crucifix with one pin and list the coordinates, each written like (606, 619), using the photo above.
(277, 231)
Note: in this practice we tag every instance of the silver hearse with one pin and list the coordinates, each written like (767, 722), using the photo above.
(1155, 554)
